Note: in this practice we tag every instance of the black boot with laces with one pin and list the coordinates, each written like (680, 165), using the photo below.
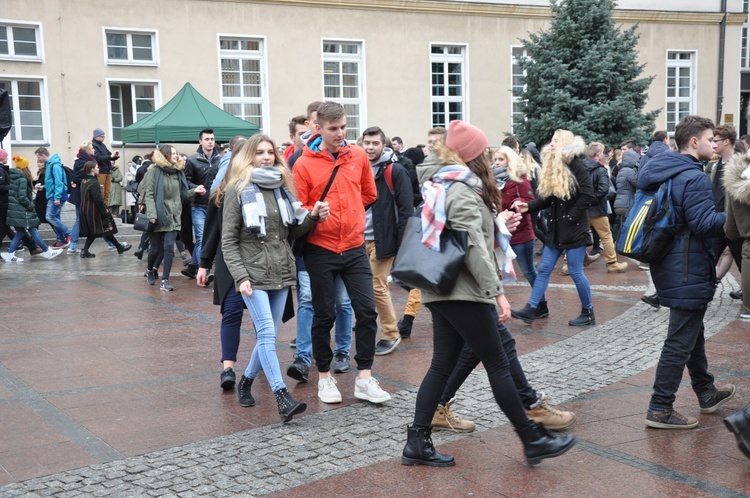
(288, 406)
(243, 392)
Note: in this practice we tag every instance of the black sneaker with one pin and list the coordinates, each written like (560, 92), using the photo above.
(717, 399)
(384, 347)
(151, 277)
(166, 286)
(736, 294)
(670, 420)
(652, 300)
(341, 363)
(299, 370)
(228, 379)
(190, 271)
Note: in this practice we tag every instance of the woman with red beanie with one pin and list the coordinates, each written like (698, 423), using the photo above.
(457, 183)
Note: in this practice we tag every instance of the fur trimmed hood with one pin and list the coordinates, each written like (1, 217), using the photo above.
(574, 149)
(736, 178)
(162, 162)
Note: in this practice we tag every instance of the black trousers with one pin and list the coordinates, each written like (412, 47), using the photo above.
(456, 323)
(355, 271)
(162, 249)
(469, 360)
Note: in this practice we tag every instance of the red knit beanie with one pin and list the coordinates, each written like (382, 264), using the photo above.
(467, 140)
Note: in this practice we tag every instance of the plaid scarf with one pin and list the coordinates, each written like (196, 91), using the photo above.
(433, 214)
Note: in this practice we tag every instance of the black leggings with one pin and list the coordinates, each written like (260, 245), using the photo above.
(469, 360)
(453, 323)
(162, 246)
(110, 238)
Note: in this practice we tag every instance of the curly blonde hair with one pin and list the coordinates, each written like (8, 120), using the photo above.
(516, 167)
(556, 179)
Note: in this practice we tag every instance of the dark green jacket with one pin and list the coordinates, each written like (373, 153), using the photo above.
(21, 212)
(267, 262)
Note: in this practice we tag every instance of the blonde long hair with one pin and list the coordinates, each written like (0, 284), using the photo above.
(241, 166)
(516, 167)
(556, 179)
(530, 167)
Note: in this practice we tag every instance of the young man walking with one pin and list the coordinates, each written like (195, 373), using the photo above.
(336, 247)
(56, 190)
(684, 278)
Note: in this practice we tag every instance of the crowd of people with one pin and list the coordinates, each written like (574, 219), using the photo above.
(327, 216)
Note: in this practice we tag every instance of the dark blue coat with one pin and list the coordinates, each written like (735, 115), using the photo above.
(654, 150)
(691, 285)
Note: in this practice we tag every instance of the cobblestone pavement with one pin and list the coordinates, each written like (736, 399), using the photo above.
(273, 458)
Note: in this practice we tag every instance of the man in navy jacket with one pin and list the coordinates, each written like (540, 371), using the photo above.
(684, 278)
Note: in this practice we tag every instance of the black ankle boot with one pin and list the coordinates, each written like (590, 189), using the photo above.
(739, 424)
(419, 450)
(288, 407)
(404, 326)
(539, 443)
(527, 314)
(243, 392)
(585, 318)
(542, 311)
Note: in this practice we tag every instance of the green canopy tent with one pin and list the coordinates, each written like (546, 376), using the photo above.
(182, 118)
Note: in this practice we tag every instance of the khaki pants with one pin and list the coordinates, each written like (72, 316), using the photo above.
(414, 303)
(601, 225)
(105, 180)
(381, 268)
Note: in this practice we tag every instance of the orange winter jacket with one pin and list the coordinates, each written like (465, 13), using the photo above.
(352, 191)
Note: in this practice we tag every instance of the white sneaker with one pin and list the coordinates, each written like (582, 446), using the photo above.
(369, 390)
(10, 257)
(745, 315)
(51, 253)
(73, 250)
(327, 391)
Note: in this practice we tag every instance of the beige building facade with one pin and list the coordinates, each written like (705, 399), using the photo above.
(404, 65)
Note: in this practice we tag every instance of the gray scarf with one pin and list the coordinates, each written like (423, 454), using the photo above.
(254, 212)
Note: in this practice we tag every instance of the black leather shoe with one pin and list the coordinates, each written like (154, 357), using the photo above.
(138, 254)
(585, 318)
(228, 379)
(86, 254)
(652, 300)
(190, 271)
(542, 311)
(124, 247)
(299, 370)
(736, 294)
(419, 450)
(539, 443)
(527, 314)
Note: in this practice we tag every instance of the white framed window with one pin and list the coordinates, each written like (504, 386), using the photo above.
(21, 41)
(517, 85)
(132, 47)
(244, 85)
(745, 49)
(448, 94)
(681, 86)
(344, 81)
(129, 101)
(29, 109)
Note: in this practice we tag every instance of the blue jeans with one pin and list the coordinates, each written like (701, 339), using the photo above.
(76, 229)
(34, 235)
(525, 257)
(684, 346)
(305, 313)
(199, 219)
(550, 255)
(53, 218)
(266, 309)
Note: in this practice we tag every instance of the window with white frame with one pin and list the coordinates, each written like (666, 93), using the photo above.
(28, 111)
(343, 81)
(745, 49)
(131, 47)
(517, 85)
(243, 82)
(20, 41)
(448, 95)
(129, 102)
(680, 87)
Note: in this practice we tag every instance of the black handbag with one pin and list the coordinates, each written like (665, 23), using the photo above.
(142, 223)
(418, 266)
(300, 244)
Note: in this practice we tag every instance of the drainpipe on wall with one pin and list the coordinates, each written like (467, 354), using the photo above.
(722, 42)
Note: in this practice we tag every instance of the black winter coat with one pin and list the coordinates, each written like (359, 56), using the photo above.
(200, 171)
(211, 254)
(391, 211)
(601, 187)
(103, 156)
(568, 224)
(74, 195)
(95, 218)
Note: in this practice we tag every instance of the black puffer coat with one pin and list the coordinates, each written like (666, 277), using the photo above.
(568, 224)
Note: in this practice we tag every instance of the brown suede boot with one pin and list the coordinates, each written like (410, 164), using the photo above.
(445, 419)
(550, 417)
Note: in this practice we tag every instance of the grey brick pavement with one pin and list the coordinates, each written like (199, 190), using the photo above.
(277, 457)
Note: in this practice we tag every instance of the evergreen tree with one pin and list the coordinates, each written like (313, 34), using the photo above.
(583, 75)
